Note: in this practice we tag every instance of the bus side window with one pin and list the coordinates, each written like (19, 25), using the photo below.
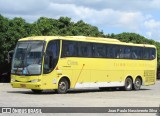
(152, 53)
(127, 52)
(65, 49)
(69, 49)
(99, 50)
(85, 49)
(120, 53)
(146, 54)
(72, 46)
(116, 51)
(134, 53)
(51, 56)
(134, 56)
(138, 52)
(110, 51)
(149, 53)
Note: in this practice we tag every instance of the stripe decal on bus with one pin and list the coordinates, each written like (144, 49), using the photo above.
(99, 84)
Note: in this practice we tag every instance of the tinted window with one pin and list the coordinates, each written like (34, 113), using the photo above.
(99, 50)
(76, 49)
(27, 59)
(149, 53)
(85, 49)
(136, 53)
(120, 51)
(152, 53)
(69, 49)
(51, 56)
(112, 51)
(127, 52)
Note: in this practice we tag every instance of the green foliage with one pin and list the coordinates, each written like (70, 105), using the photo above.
(65, 27)
(3, 28)
(131, 37)
(11, 31)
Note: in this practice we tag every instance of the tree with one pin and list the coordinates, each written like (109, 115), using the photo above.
(65, 26)
(4, 25)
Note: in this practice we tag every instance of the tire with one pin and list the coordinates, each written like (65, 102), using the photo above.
(128, 84)
(63, 86)
(36, 91)
(137, 84)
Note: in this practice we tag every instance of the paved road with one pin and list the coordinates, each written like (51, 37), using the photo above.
(148, 96)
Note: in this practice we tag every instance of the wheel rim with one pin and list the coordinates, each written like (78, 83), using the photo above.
(129, 84)
(138, 83)
(62, 86)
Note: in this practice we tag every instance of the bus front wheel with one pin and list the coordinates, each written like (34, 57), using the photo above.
(128, 84)
(63, 86)
(137, 84)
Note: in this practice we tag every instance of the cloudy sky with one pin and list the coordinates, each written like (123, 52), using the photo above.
(111, 16)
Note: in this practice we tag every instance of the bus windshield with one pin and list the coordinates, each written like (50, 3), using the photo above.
(27, 59)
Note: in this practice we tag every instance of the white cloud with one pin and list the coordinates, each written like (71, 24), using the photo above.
(69, 10)
(104, 18)
(153, 29)
(23, 7)
(149, 34)
(152, 24)
(125, 5)
(155, 4)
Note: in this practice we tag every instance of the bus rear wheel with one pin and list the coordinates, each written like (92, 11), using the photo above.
(36, 91)
(137, 84)
(63, 86)
(128, 84)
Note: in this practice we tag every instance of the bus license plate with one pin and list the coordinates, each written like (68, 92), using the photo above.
(23, 85)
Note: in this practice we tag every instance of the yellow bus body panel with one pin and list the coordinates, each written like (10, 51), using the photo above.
(89, 72)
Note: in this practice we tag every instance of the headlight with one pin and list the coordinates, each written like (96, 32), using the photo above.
(36, 80)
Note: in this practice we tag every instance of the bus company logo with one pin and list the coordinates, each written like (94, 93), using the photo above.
(71, 62)
(6, 110)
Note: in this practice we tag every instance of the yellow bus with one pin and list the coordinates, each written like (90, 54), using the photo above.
(66, 62)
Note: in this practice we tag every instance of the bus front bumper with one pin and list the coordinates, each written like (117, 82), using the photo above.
(28, 85)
